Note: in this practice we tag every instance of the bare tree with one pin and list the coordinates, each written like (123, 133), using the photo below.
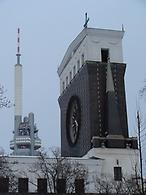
(128, 185)
(7, 172)
(58, 167)
(142, 91)
(103, 185)
(139, 127)
(4, 102)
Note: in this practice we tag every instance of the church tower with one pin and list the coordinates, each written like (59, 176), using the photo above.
(92, 94)
(25, 140)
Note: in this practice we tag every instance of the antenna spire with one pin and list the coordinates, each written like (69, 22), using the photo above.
(86, 20)
(123, 29)
(18, 46)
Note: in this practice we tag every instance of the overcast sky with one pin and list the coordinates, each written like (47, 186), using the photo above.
(47, 28)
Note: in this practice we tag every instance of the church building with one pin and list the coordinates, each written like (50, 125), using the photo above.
(94, 128)
(93, 102)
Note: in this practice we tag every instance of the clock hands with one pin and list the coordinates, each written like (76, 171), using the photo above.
(75, 124)
(73, 120)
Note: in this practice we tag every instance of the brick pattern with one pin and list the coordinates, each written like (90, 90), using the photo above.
(90, 87)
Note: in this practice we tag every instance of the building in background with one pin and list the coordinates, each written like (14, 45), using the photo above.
(25, 140)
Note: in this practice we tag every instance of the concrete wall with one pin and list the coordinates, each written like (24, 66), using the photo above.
(99, 162)
(127, 159)
(22, 166)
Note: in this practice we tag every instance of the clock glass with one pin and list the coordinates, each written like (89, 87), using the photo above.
(73, 120)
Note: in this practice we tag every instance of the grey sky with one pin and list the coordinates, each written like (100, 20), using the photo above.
(47, 28)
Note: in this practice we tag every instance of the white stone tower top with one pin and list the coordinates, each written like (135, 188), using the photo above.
(91, 44)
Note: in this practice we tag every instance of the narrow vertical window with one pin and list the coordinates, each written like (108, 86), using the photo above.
(63, 85)
(66, 81)
(70, 76)
(74, 70)
(104, 55)
(78, 64)
(118, 173)
(83, 60)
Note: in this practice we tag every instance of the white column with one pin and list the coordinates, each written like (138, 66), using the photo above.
(18, 90)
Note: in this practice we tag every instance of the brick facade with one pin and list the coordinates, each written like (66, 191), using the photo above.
(89, 85)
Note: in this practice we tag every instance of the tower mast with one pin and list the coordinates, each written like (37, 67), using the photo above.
(18, 93)
(26, 140)
(18, 46)
(18, 80)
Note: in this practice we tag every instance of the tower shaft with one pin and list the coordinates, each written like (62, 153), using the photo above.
(26, 140)
(18, 90)
(18, 80)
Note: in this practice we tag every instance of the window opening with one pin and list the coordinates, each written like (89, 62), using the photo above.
(74, 71)
(63, 85)
(118, 173)
(104, 55)
(70, 76)
(66, 80)
(78, 64)
(83, 59)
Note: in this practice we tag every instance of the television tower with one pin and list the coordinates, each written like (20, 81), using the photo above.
(25, 141)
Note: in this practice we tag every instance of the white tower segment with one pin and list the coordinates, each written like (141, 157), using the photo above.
(26, 140)
(18, 81)
(18, 90)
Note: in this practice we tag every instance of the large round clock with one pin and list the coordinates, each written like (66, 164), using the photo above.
(73, 120)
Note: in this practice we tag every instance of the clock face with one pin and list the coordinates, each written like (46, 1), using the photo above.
(73, 120)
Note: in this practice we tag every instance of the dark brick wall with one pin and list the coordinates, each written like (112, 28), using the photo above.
(118, 71)
(89, 85)
(78, 87)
